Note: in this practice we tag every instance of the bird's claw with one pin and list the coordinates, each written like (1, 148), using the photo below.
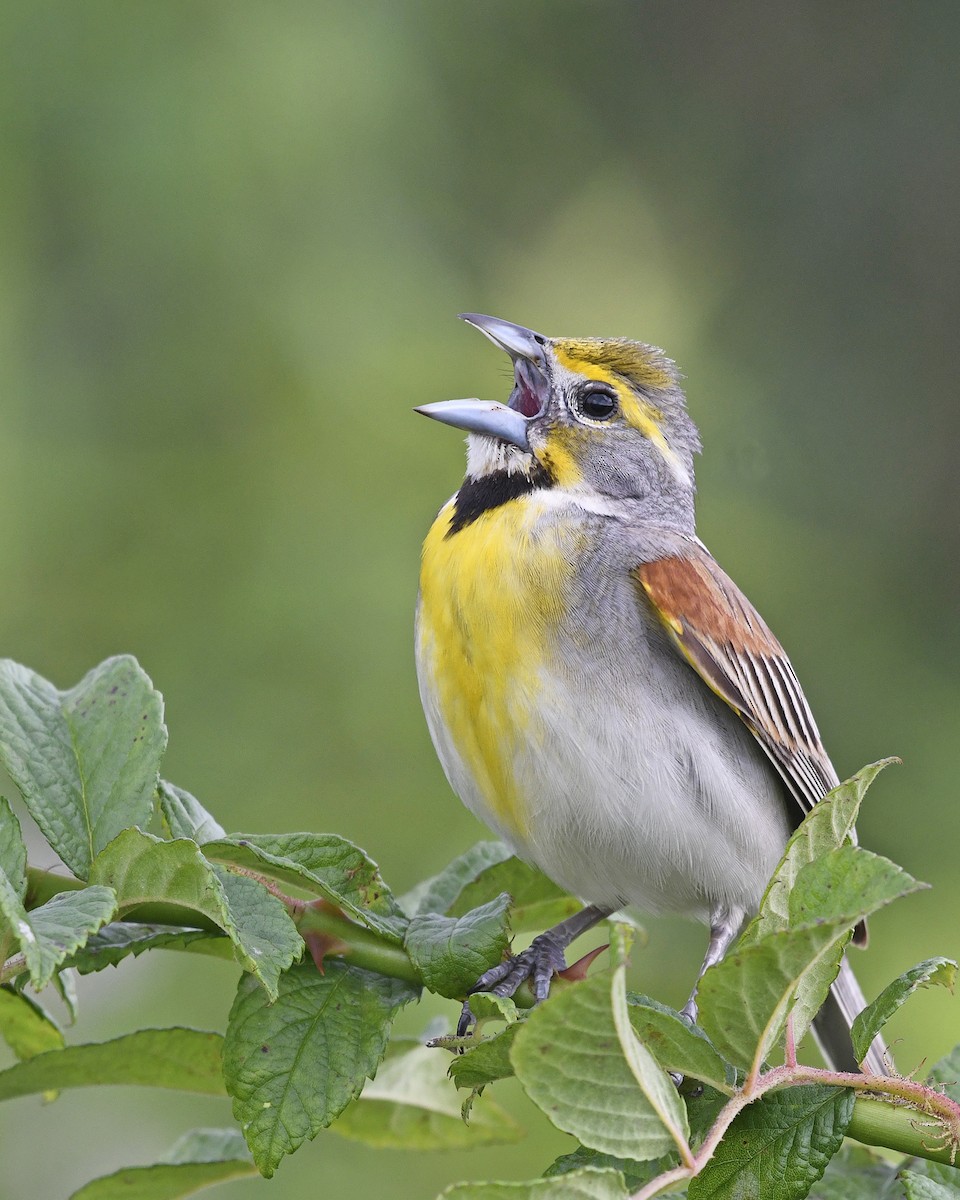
(541, 960)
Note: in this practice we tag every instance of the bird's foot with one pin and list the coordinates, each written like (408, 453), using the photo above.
(689, 1014)
(541, 960)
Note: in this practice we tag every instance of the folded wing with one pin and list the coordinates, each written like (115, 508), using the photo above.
(724, 638)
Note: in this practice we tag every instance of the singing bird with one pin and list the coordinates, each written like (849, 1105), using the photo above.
(599, 691)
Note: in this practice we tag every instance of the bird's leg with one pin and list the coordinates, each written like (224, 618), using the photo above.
(538, 962)
(723, 929)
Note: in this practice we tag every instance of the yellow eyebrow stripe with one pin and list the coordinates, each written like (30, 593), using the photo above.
(642, 364)
(642, 416)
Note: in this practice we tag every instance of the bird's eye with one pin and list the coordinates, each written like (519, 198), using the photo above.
(597, 404)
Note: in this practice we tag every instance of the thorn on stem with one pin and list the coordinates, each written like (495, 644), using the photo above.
(578, 970)
(322, 944)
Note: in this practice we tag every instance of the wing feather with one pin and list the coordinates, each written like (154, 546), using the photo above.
(727, 642)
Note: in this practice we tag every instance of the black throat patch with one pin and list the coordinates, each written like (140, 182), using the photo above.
(477, 496)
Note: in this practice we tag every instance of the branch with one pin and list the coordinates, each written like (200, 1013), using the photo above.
(896, 1123)
(896, 1127)
(352, 942)
(914, 1118)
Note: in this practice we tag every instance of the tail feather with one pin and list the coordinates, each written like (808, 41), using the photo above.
(831, 1028)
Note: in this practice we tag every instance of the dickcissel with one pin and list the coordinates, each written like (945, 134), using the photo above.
(598, 690)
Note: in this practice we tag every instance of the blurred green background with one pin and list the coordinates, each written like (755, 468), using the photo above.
(235, 237)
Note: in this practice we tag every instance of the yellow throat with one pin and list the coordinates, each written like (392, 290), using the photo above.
(492, 594)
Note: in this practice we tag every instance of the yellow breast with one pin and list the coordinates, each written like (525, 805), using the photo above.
(492, 596)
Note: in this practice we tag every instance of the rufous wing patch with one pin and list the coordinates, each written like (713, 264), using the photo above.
(698, 594)
(727, 642)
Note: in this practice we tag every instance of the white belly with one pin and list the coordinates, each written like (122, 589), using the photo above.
(651, 803)
(639, 786)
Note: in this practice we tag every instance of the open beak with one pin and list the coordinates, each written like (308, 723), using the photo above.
(517, 341)
(481, 416)
(530, 394)
(527, 349)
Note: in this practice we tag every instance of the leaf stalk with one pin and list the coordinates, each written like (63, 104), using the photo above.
(894, 1123)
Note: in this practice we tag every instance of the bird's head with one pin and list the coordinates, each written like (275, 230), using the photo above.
(595, 415)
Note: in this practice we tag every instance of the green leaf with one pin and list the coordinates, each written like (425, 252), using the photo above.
(25, 1026)
(536, 902)
(321, 864)
(744, 999)
(866, 1026)
(200, 1159)
(485, 1062)
(939, 1172)
(842, 886)
(185, 817)
(856, 1173)
(440, 893)
(487, 870)
(826, 827)
(65, 985)
(675, 1044)
(13, 878)
(144, 869)
(488, 1006)
(185, 1059)
(815, 983)
(845, 885)
(410, 1105)
(635, 1174)
(114, 942)
(293, 1066)
(14, 926)
(589, 1183)
(946, 1074)
(13, 852)
(569, 1059)
(704, 1105)
(62, 925)
(208, 1145)
(656, 1085)
(86, 760)
(451, 953)
(47, 935)
(777, 1147)
(922, 1187)
(261, 928)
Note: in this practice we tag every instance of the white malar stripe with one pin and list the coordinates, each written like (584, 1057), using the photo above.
(487, 455)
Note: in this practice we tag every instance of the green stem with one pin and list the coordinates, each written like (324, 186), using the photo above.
(930, 1117)
(877, 1124)
(12, 968)
(354, 943)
